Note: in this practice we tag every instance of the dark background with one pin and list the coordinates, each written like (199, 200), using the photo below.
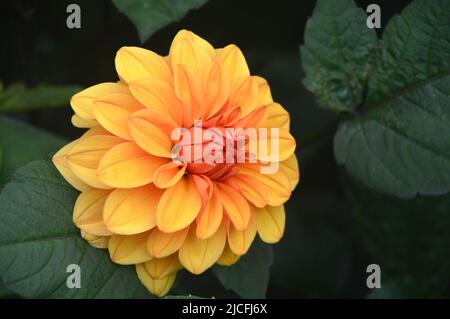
(323, 253)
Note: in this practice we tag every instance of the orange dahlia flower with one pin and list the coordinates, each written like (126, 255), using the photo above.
(164, 215)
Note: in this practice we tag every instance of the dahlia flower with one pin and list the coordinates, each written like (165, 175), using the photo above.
(162, 214)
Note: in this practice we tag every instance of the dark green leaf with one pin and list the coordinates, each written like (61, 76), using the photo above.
(249, 277)
(38, 241)
(22, 144)
(337, 54)
(400, 145)
(415, 48)
(18, 98)
(151, 15)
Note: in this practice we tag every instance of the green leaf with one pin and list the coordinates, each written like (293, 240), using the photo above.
(18, 98)
(151, 15)
(249, 277)
(408, 239)
(415, 48)
(337, 54)
(400, 144)
(38, 241)
(22, 144)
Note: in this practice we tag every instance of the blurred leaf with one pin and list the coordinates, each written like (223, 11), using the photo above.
(38, 240)
(249, 277)
(400, 144)
(409, 239)
(17, 97)
(22, 144)
(337, 54)
(151, 15)
(182, 297)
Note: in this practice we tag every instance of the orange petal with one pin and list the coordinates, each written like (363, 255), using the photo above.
(277, 116)
(60, 161)
(80, 122)
(131, 211)
(150, 134)
(100, 242)
(159, 97)
(158, 287)
(253, 119)
(126, 166)
(112, 112)
(128, 250)
(98, 130)
(252, 189)
(191, 36)
(168, 174)
(134, 63)
(210, 218)
(277, 185)
(159, 268)
(244, 94)
(270, 221)
(197, 255)
(291, 170)
(161, 245)
(88, 211)
(85, 156)
(240, 241)
(82, 102)
(233, 62)
(216, 89)
(188, 88)
(267, 152)
(235, 205)
(228, 258)
(178, 206)
(265, 96)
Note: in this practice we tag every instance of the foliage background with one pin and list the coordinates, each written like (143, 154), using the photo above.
(335, 226)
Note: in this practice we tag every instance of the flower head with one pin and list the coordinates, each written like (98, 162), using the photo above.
(163, 200)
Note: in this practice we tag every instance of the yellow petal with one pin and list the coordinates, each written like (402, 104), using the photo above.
(98, 130)
(94, 240)
(216, 89)
(82, 102)
(265, 96)
(88, 211)
(85, 156)
(240, 241)
(228, 258)
(188, 88)
(178, 206)
(150, 134)
(159, 97)
(80, 122)
(291, 170)
(168, 174)
(277, 117)
(191, 36)
(244, 94)
(112, 112)
(134, 63)
(131, 211)
(161, 244)
(60, 161)
(158, 287)
(253, 190)
(235, 206)
(197, 255)
(286, 145)
(191, 54)
(277, 185)
(159, 268)
(127, 166)
(128, 250)
(270, 221)
(233, 62)
(210, 218)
